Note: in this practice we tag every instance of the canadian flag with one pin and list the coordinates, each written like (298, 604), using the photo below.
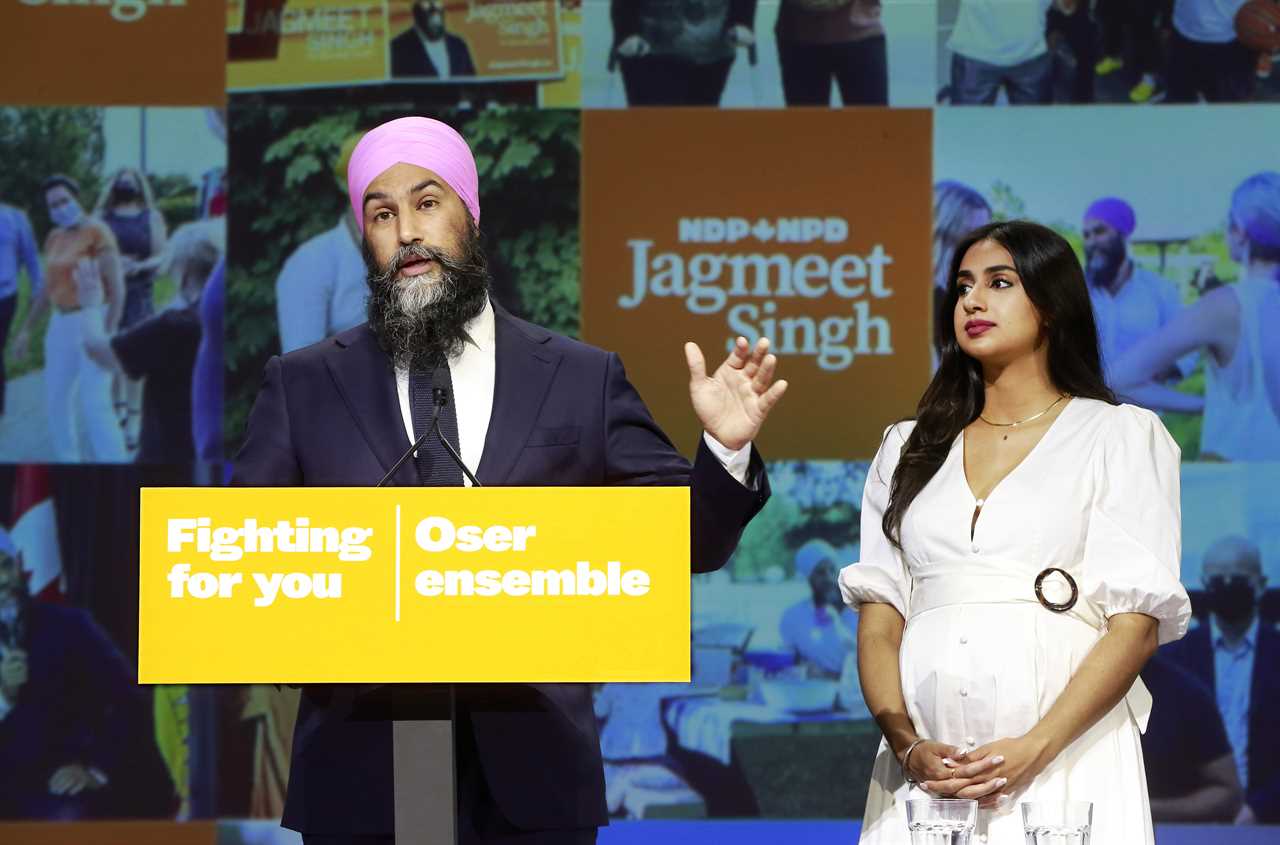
(35, 534)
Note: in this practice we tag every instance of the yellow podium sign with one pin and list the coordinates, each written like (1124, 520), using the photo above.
(366, 585)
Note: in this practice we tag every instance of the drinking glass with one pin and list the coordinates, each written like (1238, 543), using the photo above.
(1057, 822)
(941, 821)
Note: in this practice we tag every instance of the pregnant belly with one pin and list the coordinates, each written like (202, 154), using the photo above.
(979, 672)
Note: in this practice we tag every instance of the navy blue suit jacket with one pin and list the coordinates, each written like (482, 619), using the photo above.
(409, 57)
(80, 704)
(563, 414)
(1194, 652)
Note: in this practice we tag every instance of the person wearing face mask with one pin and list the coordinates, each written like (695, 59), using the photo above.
(820, 629)
(427, 48)
(77, 390)
(1027, 524)
(1129, 301)
(1229, 325)
(128, 207)
(1235, 654)
(161, 350)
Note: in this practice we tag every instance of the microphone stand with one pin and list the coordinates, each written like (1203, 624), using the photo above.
(424, 744)
(440, 398)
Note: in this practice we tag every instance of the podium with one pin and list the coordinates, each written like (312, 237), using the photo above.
(424, 766)
(430, 585)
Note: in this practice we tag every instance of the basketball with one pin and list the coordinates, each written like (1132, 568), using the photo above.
(1258, 25)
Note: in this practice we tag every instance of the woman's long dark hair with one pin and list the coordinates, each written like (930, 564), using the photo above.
(1055, 284)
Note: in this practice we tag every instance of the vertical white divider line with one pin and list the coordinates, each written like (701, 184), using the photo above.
(397, 563)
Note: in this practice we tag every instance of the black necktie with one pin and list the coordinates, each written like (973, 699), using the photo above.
(435, 467)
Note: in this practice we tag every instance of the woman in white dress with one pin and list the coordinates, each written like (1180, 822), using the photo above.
(1020, 550)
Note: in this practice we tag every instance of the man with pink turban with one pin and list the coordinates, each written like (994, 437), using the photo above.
(522, 406)
(1130, 302)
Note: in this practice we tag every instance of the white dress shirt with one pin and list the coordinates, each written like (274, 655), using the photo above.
(473, 372)
(1233, 683)
(438, 52)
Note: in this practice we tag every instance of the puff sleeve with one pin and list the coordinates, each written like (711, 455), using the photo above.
(1133, 547)
(880, 575)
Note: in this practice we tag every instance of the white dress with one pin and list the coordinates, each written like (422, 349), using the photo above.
(981, 658)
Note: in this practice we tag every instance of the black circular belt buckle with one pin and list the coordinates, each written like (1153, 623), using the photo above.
(1057, 607)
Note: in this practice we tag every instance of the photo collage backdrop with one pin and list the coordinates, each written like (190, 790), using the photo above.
(174, 213)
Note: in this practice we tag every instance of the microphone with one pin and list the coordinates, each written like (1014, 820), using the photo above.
(439, 398)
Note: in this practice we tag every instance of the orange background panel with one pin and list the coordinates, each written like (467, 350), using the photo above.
(62, 54)
(646, 170)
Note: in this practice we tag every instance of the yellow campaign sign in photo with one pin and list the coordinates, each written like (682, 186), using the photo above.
(278, 44)
(366, 585)
(309, 43)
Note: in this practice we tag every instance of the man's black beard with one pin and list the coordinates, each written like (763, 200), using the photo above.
(431, 24)
(1105, 273)
(424, 338)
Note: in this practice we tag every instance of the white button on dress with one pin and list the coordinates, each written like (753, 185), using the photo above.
(1098, 496)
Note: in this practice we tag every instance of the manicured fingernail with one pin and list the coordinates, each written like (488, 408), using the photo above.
(1002, 800)
(1001, 781)
(995, 761)
(948, 761)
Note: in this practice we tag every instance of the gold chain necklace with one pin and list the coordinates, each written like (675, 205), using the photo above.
(1027, 420)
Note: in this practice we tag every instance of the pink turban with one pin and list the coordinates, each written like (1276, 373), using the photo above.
(421, 141)
(1115, 212)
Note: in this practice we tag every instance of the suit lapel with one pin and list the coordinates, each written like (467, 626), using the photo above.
(1203, 661)
(524, 367)
(367, 383)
